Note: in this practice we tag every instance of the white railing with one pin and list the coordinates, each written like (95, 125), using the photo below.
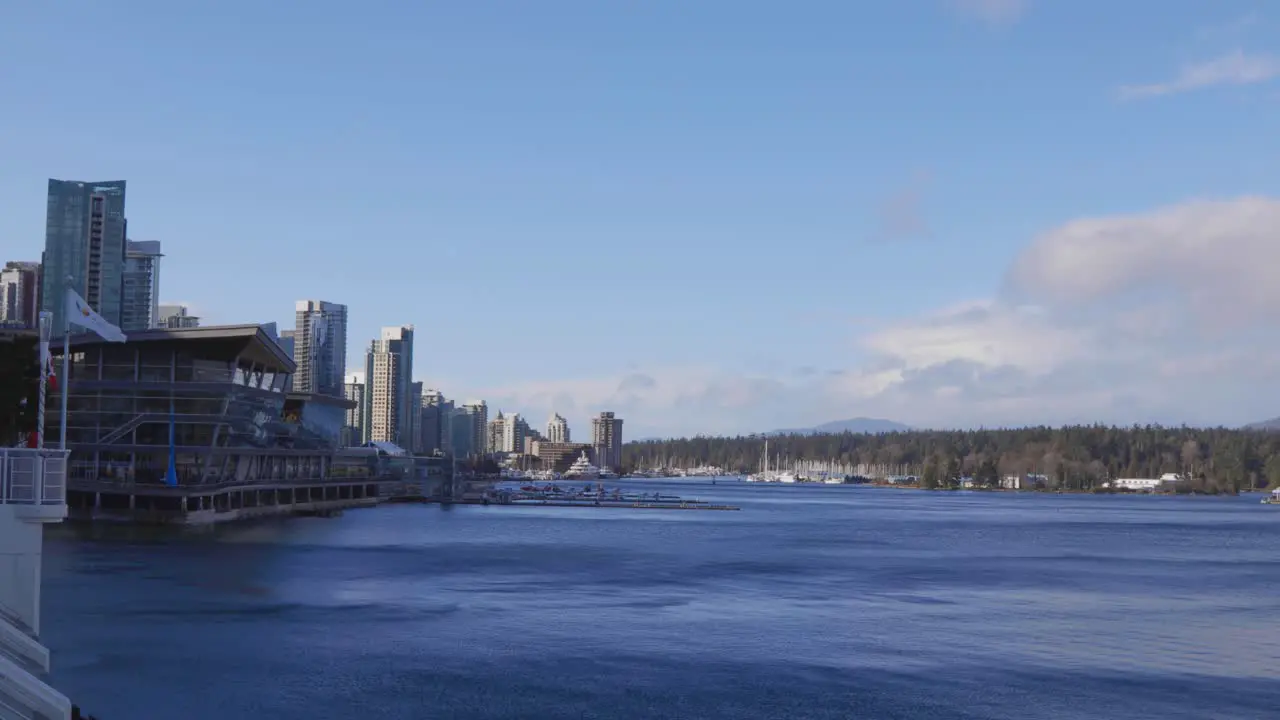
(33, 477)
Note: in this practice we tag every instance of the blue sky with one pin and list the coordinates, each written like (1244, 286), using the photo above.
(708, 216)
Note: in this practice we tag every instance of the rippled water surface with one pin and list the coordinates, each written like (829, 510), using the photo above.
(812, 602)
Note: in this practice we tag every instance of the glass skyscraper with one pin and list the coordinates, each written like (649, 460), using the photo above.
(84, 248)
(140, 298)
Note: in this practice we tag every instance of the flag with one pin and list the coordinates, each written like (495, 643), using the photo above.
(79, 313)
(46, 362)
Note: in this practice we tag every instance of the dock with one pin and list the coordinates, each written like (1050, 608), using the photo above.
(640, 505)
(593, 495)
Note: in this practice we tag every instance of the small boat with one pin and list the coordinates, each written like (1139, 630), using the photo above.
(1273, 498)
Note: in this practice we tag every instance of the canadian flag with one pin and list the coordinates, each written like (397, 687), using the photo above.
(46, 362)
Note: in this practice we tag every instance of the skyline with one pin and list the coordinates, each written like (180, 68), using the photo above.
(947, 214)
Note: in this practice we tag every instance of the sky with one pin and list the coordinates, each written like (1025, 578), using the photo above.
(722, 216)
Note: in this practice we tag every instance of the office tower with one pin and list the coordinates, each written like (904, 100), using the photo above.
(140, 286)
(20, 294)
(84, 248)
(176, 317)
(606, 440)
(433, 423)
(389, 387)
(557, 429)
(320, 349)
(353, 430)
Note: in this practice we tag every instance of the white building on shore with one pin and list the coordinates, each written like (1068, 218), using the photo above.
(1166, 480)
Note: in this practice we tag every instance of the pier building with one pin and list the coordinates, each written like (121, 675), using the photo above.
(196, 425)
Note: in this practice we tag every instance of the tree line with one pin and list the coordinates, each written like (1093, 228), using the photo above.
(1079, 457)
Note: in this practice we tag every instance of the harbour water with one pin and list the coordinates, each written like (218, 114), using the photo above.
(812, 602)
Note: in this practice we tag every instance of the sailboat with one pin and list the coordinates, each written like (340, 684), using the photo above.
(764, 475)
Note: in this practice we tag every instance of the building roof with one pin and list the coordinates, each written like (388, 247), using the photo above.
(387, 448)
(259, 344)
(317, 399)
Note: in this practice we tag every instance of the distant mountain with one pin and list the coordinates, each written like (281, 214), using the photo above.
(1272, 424)
(867, 425)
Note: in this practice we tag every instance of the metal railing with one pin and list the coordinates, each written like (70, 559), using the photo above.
(33, 477)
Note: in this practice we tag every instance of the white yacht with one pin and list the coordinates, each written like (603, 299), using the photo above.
(582, 469)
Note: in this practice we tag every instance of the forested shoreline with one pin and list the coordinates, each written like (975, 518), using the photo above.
(1081, 457)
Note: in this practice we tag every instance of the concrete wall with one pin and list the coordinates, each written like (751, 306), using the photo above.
(20, 546)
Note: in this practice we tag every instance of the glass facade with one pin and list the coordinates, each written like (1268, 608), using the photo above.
(140, 286)
(84, 247)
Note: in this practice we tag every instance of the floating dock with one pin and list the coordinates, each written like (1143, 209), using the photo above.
(684, 505)
(594, 496)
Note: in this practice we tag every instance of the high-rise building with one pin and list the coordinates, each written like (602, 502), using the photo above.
(353, 431)
(557, 429)
(606, 440)
(178, 317)
(493, 434)
(470, 429)
(462, 439)
(389, 387)
(433, 426)
(415, 416)
(320, 349)
(20, 294)
(84, 248)
(140, 286)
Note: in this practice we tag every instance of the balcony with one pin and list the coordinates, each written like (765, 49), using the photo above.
(34, 483)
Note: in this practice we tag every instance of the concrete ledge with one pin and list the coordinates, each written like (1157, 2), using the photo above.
(213, 517)
(41, 513)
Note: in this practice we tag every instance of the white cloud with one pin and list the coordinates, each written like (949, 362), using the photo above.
(995, 12)
(1160, 316)
(1234, 68)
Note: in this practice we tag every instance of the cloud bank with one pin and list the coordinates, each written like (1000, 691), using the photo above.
(1161, 316)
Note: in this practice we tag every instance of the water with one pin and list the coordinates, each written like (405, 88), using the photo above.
(813, 602)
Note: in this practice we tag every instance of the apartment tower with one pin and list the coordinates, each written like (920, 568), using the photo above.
(320, 347)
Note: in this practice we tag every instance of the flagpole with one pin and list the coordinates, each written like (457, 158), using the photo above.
(46, 319)
(65, 385)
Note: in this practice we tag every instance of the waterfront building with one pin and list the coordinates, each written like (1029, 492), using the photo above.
(606, 439)
(558, 456)
(242, 445)
(140, 286)
(389, 387)
(354, 429)
(558, 429)
(320, 347)
(20, 294)
(176, 317)
(84, 248)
